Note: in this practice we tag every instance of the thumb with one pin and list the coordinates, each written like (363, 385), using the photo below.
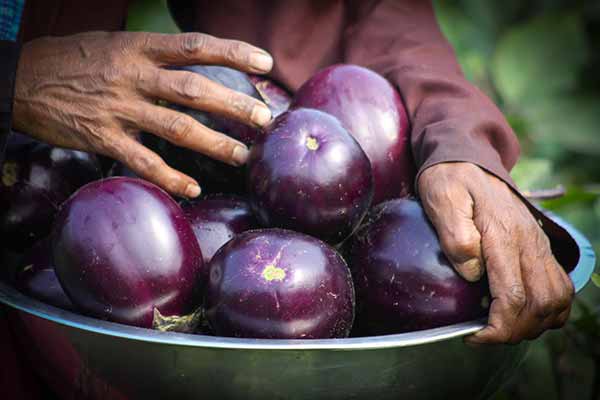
(452, 217)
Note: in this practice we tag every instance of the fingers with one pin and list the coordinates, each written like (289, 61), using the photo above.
(184, 131)
(196, 91)
(509, 297)
(450, 209)
(199, 48)
(531, 293)
(148, 165)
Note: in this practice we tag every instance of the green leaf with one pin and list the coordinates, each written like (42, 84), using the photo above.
(568, 121)
(539, 58)
(150, 16)
(596, 279)
(473, 43)
(533, 173)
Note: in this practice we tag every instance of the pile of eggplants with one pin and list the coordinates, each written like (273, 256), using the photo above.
(318, 236)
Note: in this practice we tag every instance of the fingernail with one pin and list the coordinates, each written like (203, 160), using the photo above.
(261, 61)
(240, 155)
(192, 191)
(471, 270)
(261, 115)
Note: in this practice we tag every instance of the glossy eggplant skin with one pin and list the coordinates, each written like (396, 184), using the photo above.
(276, 97)
(403, 280)
(38, 279)
(36, 179)
(371, 109)
(232, 79)
(279, 284)
(214, 176)
(217, 219)
(123, 247)
(307, 173)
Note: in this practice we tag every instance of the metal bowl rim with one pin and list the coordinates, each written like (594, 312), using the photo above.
(13, 298)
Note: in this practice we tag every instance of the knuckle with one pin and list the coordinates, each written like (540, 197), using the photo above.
(192, 43)
(464, 242)
(544, 307)
(515, 298)
(239, 105)
(175, 184)
(191, 87)
(569, 290)
(179, 128)
(542, 241)
(566, 298)
(137, 76)
(233, 51)
(222, 148)
(112, 71)
(145, 163)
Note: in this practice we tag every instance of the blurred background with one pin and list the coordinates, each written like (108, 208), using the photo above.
(539, 60)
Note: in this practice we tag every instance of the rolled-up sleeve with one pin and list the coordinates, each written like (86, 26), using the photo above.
(452, 120)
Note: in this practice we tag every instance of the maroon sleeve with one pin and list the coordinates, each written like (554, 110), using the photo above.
(452, 120)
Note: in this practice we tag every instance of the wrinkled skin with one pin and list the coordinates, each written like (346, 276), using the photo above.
(484, 226)
(96, 91)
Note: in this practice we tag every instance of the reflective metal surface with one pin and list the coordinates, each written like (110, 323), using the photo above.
(85, 358)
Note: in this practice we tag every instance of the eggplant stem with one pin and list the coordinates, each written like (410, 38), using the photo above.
(545, 194)
(177, 323)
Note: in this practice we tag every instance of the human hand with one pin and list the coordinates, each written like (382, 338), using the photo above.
(484, 226)
(96, 91)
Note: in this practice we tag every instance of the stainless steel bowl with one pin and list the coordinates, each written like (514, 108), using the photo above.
(85, 358)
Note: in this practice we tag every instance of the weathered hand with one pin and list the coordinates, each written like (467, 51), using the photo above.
(95, 91)
(483, 224)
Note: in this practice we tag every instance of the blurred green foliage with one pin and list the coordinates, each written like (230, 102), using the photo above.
(539, 61)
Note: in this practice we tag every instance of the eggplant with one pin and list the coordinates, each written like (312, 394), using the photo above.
(371, 109)
(217, 219)
(279, 284)
(38, 278)
(307, 173)
(404, 282)
(124, 251)
(275, 96)
(214, 176)
(120, 169)
(36, 179)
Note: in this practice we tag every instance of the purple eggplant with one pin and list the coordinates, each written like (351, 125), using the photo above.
(217, 219)
(276, 97)
(120, 169)
(38, 278)
(214, 176)
(124, 251)
(403, 280)
(371, 109)
(279, 284)
(307, 173)
(36, 179)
